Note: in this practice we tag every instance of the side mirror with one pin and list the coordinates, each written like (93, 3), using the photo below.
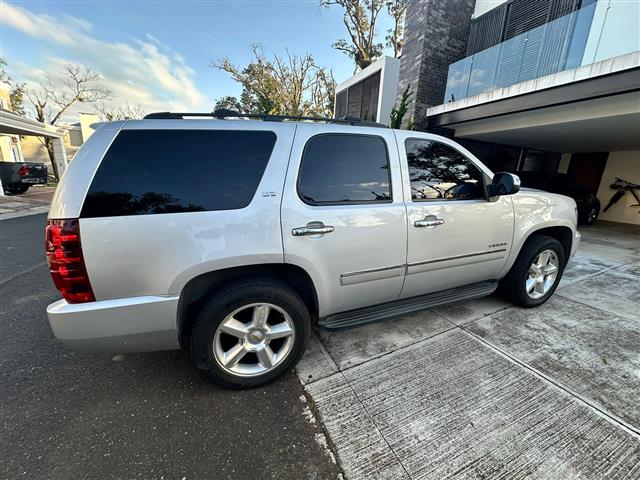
(504, 183)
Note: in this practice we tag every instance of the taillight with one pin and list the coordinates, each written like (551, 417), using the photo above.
(66, 263)
(23, 171)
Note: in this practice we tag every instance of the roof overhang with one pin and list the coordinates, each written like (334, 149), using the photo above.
(594, 114)
(13, 124)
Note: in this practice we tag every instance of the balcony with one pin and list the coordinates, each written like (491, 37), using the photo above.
(599, 31)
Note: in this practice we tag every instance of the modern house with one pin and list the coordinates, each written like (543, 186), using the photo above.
(10, 148)
(545, 85)
(371, 93)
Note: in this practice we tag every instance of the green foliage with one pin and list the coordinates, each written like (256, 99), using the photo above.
(16, 90)
(360, 18)
(294, 85)
(398, 113)
(229, 103)
(395, 35)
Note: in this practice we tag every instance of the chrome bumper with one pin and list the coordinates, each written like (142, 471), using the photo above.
(138, 324)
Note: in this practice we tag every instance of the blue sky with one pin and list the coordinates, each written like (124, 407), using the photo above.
(157, 53)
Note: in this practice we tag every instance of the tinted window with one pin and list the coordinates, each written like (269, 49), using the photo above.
(438, 171)
(167, 171)
(338, 168)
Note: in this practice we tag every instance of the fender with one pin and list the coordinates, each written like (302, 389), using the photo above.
(536, 210)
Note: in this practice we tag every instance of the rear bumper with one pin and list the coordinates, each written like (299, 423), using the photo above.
(138, 324)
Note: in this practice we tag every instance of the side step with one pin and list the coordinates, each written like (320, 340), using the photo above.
(405, 306)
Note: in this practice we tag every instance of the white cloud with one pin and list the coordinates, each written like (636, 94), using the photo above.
(142, 72)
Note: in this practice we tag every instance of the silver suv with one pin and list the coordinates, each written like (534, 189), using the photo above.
(235, 236)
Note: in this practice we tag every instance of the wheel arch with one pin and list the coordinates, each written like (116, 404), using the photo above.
(202, 287)
(561, 232)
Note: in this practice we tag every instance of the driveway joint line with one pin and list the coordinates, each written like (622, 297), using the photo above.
(592, 275)
(611, 418)
(617, 314)
(376, 425)
(340, 370)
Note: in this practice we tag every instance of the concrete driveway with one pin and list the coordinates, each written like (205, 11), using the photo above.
(489, 390)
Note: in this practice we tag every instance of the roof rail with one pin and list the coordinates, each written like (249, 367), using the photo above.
(223, 113)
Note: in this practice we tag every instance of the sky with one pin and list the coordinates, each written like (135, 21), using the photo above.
(157, 54)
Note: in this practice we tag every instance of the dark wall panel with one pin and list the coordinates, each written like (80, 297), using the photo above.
(486, 30)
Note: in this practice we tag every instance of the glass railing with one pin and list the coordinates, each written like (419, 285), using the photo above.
(605, 29)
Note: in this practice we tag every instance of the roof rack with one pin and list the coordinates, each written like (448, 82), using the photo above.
(224, 113)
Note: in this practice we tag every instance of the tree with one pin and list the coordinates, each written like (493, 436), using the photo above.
(78, 84)
(395, 36)
(16, 90)
(124, 112)
(398, 113)
(229, 103)
(293, 85)
(360, 17)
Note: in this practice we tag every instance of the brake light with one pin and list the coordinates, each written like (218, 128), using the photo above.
(23, 171)
(66, 263)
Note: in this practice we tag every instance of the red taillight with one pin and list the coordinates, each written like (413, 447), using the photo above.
(66, 263)
(23, 171)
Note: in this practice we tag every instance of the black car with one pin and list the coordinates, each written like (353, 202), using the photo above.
(586, 200)
(17, 177)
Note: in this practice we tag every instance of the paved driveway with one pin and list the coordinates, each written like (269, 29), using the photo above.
(489, 390)
(67, 415)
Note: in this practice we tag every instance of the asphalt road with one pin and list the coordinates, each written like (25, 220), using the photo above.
(151, 416)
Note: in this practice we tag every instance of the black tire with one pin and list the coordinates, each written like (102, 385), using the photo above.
(233, 297)
(17, 188)
(589, 216)
(512, 286)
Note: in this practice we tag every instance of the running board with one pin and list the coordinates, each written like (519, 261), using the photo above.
(362, 316)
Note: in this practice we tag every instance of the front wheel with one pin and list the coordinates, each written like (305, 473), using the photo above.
(536, 272)
(250, 333)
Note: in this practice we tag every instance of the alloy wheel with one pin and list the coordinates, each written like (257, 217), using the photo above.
(253, 339)
(542, 274)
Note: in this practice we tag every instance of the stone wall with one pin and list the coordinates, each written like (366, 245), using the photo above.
(436, 35)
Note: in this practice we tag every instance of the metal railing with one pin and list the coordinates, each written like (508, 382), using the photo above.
(605, 29)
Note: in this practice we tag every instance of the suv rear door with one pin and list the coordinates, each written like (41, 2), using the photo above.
(346, 182)
(455, 235)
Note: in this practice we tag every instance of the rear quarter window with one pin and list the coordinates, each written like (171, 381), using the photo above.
(168, 171)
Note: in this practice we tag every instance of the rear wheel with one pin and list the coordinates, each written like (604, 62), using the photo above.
(16, 188)
(250, 333)
(536, 272)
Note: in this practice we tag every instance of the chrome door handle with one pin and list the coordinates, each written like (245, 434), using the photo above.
(311, 229)
(429, 221)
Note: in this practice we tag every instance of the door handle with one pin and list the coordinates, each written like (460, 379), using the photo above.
(312, 229)
(429, 221)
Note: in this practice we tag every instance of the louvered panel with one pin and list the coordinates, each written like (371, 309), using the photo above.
(553, 57)
(354, 101)
(525, 15)
(511, 53)
(559, 8)
(486, 30)
(534, 40)
(483, 71)
(341, 104)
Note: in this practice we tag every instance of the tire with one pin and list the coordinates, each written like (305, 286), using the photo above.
(589, 216)
(513, 286)
(283, 306)
(16, 188)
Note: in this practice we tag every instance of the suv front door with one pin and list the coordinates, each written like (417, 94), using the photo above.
(343, 215)
(455, 235)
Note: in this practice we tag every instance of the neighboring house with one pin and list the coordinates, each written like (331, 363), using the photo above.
(10, 148)
(75, 135)
(545, 85)
(369, 94)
